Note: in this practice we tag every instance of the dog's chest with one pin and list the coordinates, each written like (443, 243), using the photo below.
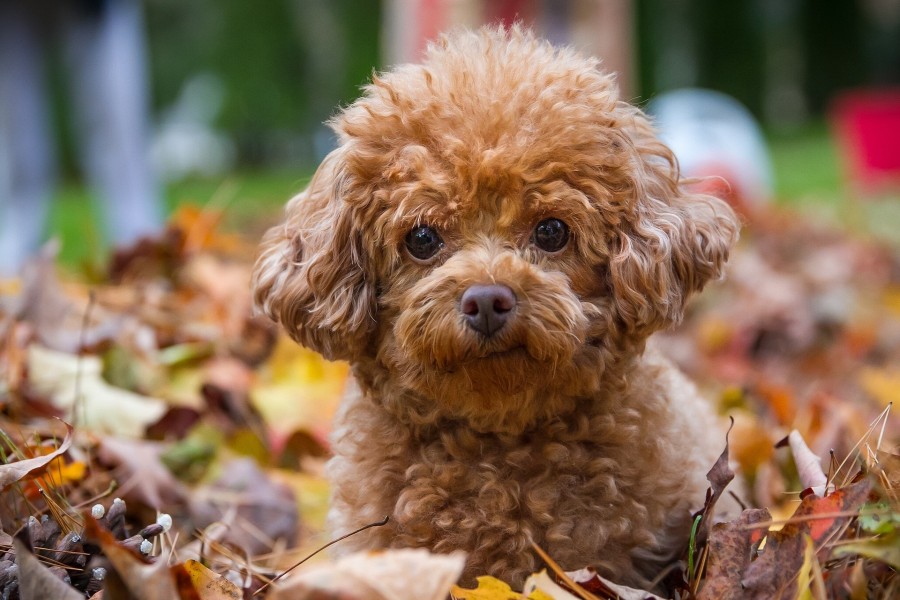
(531, 479)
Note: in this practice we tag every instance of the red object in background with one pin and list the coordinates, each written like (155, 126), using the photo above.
(507, 12)
(867, 123)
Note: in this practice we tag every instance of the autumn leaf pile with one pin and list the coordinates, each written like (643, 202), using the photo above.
(159, 441)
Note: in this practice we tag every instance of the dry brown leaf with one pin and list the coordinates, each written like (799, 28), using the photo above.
(774, 573)
(719, 476)
(592, 582)
(730, 551)
(143, 476)
(57, 317)
(257, 509)
(29, 467)
(36, 582)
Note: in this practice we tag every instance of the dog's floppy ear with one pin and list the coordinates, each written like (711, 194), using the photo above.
(313, 276)
(674, 243)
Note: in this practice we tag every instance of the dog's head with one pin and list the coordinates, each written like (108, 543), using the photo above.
(494, 223)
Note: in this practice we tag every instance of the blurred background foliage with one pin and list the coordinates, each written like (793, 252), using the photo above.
(267, 74)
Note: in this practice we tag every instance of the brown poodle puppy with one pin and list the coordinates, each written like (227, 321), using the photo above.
(490, 247)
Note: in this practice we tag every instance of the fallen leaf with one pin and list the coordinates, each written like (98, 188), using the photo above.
(885, 548)
(200, 229)
(591, 581)
(56, 474)
(774, 573)
(58, 318)
(750, 442)
(31, 467)
(258, 509)
(488, 588)
(406, 574)
(809, 466)
(142, 474)
(539, 586)
(298, 389)
(879, 518)
(36, 582)
(780, 399)
(68, 379)
(731, 547)
(719, 476)
(881, 384)
(810, 585)
(210, 585)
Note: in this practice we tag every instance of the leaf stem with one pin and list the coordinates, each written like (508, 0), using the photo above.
(331, 543)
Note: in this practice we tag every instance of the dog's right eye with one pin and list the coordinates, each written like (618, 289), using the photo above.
(423, 242)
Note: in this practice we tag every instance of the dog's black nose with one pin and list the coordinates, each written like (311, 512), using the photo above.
(487, 307)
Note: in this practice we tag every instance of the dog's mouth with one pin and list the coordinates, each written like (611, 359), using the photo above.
(485, 356)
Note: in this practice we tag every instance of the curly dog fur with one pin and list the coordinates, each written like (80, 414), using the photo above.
(563, 427)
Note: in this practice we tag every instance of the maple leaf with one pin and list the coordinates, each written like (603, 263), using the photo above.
(731, 546)
(774, 573)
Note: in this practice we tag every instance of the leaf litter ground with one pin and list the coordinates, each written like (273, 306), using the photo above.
(192, 467)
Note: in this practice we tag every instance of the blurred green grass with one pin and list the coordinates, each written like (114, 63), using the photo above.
(808, 177)
(250, 200)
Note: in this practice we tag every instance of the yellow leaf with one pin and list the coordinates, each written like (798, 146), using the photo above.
(60, 473)
(313, 494)
(210, 585)
(298, 389)
(891, 299)
(803, 577)
(715, 334)
(750, 443)
(489, 588)
(881, 384)
(810, 583)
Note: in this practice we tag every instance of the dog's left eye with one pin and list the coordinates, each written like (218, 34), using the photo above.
(423, 242)
(551, 235)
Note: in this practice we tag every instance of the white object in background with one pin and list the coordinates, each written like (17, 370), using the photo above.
(186, 141)
(712, 134)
